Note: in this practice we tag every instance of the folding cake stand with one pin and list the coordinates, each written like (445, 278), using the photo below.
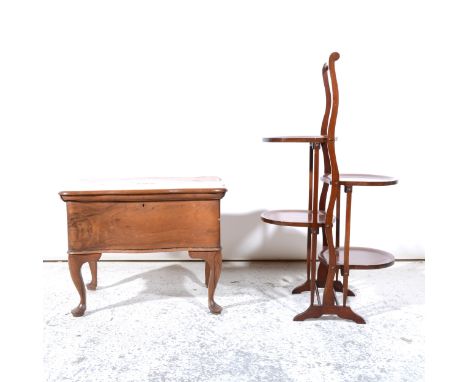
(333, 258)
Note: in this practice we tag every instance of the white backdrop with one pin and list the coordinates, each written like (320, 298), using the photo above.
(189, 88)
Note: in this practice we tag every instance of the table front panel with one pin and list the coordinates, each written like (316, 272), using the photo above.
(142, 226)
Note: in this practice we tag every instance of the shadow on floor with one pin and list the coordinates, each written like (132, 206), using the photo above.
(168, 281)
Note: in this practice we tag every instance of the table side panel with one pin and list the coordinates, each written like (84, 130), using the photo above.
(142, 226)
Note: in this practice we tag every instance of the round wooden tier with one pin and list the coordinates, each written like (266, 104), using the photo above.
(362, 258)
(298, 139)
(362, 180)
(292, 218)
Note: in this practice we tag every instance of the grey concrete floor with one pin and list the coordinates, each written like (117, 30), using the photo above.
(148, 321)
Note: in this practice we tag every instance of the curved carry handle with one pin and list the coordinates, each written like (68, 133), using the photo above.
(324, 131)
(331, 137)
(326, 115)
(336, 96)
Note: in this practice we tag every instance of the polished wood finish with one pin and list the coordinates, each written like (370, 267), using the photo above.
(166, 197)
(324, 213)
(360, 258)
(148, 226)
(313, 218)
(362, 180)
(92, 285)
(213, 263)
(145, 219)
(298, 139)
(317, 311)
(74, 265)
(335, 259)
(293, 218)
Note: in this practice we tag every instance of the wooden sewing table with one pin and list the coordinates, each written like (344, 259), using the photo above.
(144, 215)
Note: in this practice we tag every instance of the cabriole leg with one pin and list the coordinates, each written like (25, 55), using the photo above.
(75, 262)
(93, 268)
(214, 261)
(207, 273)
